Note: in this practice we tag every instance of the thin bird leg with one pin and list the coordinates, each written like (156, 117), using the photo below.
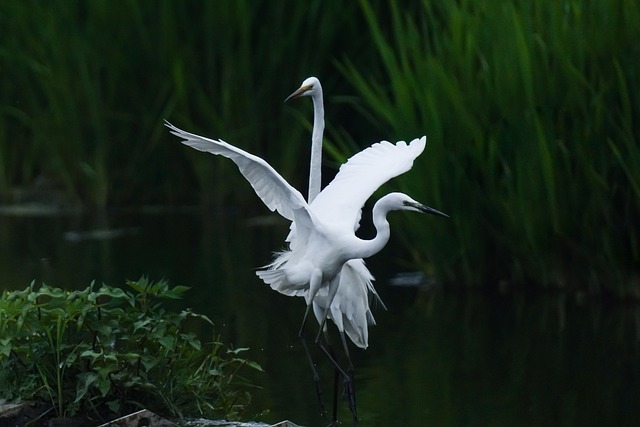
(312, 364)
(332, 359)
(336, 377)
(347, 379)
(304, 320)
(316, 378)
(328, 352)
(351, 386)
(314, 286)
(333, 289)
(301, 335)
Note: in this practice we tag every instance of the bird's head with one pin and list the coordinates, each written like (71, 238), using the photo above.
(309, 87)
(402, 202)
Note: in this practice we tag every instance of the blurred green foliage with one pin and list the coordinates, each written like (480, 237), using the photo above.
(529, 107)
(87, 85)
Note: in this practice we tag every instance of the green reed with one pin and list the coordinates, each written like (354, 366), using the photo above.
(88, 85)
(533, 148)
(529, 109)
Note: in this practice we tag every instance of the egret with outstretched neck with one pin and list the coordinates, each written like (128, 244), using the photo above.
(350, 309)
(325, 237)
(312, 87)
(323, 233)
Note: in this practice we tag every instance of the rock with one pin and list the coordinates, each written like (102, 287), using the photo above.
(285, 423)
(10, 410)
(142, 418)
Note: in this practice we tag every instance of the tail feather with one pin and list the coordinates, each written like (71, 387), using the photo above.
(350, 309)
(277, 280)
(280, 259)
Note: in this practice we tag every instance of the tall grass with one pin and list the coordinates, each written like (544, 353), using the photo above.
(529, 108)
(86, 86)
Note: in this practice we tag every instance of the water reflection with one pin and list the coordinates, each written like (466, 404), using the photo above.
(436, 358)
(489, 360)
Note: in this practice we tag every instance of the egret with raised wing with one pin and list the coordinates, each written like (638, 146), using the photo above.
(323, 235)
(349, 310)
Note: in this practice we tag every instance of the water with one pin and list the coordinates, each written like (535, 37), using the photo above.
(437, 358)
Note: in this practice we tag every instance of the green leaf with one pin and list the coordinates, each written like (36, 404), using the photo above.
(85, 381)
(193, 341)
(176, 292)
(149, 362)
(167, 341)
(80, 357)
(90, 354)
(254, 365)
(237, 350)
(5, 346)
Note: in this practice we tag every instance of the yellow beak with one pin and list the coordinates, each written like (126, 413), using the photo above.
(298, 93)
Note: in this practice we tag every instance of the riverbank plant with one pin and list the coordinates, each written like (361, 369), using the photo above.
(104, 351)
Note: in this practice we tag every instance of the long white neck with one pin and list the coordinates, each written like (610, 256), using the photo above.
(383, 231)
(315, 170)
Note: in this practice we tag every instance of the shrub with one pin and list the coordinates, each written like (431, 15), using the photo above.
(97, 353)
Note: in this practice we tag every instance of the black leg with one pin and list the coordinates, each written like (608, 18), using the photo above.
(347, 380)
(336, 378)
(312, 365)
(351, 386)
(316, 377)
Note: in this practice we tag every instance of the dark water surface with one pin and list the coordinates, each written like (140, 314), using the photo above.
(439, 358)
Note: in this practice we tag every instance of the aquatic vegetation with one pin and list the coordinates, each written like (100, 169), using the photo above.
(104, 351)
(87, 89)
(533, 149)
(529, 108)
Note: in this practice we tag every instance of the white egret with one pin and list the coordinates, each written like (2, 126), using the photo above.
(323, 233)
(324, 230)
(312, 87)
(349, 309)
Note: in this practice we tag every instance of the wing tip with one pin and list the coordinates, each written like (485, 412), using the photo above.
(419, 144)
(420, 141)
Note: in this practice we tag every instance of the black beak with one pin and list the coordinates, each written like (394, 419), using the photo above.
(428, 210)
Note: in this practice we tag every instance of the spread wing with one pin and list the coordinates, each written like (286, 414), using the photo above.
(341, 201)
(268, 184)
